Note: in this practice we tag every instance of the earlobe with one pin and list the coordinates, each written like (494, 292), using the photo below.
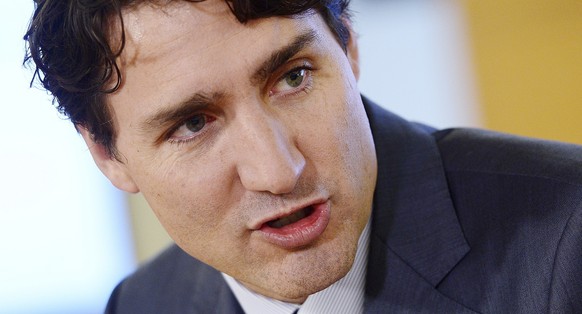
(112, 168)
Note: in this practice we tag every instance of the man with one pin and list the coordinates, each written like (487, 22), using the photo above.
(242, 125)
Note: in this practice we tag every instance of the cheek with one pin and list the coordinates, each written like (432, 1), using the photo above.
(341, 129)
(186, 198)
(344, 148)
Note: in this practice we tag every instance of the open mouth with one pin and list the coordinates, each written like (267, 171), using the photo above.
(287, 220)
(299, 228)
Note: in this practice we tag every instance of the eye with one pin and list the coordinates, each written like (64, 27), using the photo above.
(191, 128)
(292, 82)
(295, 78)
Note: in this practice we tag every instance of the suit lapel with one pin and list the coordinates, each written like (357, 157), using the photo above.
(416, 237)
(392, 286)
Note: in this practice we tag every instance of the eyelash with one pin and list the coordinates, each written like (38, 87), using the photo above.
(176, 141)
(306, 85)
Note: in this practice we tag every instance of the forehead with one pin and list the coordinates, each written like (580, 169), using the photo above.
(200, 29)
(180, 48)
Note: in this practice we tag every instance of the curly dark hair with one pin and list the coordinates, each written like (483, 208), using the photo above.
(68, 44)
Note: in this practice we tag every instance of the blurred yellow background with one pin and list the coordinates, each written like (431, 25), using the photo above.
(527, 58)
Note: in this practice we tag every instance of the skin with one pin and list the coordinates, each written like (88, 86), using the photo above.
(268, 144)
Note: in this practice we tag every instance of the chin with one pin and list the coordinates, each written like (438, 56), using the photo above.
(297, 283)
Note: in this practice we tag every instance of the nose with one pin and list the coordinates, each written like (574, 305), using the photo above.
(268, 159)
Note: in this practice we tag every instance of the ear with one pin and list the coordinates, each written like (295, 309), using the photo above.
(352, 50)
(113, 169)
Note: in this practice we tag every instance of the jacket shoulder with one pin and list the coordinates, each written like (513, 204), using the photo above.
(173, 282)
(492, 152)
(519, 202)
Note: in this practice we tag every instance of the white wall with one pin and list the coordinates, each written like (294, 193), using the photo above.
(64, 238)
(415, 60)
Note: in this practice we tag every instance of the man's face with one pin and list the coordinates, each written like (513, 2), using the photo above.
(249, 142)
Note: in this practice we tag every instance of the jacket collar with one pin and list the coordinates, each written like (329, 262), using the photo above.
(413, 213)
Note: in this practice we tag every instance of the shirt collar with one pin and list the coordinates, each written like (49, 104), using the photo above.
(344, 296)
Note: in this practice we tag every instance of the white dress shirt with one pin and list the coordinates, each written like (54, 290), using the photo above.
(344, 296)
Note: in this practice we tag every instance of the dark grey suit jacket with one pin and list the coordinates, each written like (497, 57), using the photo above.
(464, 221)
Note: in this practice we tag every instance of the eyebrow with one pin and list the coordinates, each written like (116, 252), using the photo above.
(279, 57)
(201, 101)
(183, 110)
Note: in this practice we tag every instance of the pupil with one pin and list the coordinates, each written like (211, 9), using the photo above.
(196, 123)
(295, 78)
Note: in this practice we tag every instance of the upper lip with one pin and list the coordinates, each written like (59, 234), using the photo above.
(285, 212)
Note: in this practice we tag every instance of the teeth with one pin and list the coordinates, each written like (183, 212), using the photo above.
(282, 222)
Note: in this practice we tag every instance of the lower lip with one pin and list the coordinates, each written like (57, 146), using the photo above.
(302, 232)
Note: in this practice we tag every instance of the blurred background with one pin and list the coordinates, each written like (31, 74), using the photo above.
(67, 237)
